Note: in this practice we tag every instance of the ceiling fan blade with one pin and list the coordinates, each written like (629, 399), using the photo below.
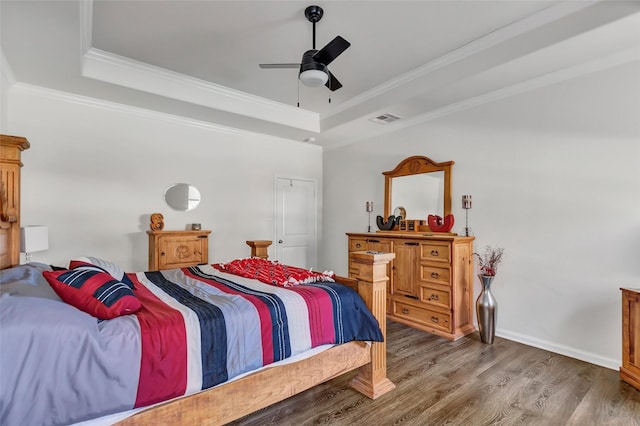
(279, 66)
(331, 51)
(333, 84)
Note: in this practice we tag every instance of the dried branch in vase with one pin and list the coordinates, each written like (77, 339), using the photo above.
(489, 260)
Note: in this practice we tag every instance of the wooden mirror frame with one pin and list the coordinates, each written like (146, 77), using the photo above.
(416, 165)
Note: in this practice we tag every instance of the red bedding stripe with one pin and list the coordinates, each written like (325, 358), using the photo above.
(318, 300)
(161, 366)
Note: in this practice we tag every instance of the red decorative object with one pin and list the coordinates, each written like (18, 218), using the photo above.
(438, 224)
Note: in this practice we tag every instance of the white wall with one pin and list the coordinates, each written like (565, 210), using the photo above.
(7, 79)
(555, 179)
(96, 171)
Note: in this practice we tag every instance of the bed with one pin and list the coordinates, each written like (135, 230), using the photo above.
(155, 374)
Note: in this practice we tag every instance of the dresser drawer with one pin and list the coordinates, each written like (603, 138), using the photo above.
(436, 297)
(435, 274)
(357, 244)
(435, 252)
(427, 317)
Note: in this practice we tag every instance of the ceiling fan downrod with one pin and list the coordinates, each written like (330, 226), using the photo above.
(313, 14)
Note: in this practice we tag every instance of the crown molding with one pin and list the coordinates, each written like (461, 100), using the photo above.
(126, 72)
(86, 26)
(544, 17)
(116, 69)
(57, 95)
(600, 64)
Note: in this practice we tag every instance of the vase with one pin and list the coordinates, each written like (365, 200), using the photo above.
(486, 309)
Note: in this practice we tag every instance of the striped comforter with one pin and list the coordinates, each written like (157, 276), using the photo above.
(201, 327)
(198, 327)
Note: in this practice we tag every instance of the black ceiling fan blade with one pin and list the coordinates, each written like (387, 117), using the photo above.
(333, 84)
(266, 66)
(332, 50)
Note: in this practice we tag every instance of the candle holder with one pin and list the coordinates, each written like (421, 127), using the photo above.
(466, 205)
(369, 208)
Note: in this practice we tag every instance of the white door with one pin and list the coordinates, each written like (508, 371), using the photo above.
(296, 222)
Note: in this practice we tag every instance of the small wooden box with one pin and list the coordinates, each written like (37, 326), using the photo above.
(411, 225)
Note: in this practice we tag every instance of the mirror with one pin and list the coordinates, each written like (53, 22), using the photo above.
(182, 197)
(418, 187)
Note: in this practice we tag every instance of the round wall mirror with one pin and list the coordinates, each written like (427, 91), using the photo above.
(182, 197)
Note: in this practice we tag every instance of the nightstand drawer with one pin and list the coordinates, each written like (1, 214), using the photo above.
(179, 252)
(177, 249)
(427, 317)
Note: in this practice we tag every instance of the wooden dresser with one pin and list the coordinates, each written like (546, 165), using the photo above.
(431, 279)
(177, 249)
(11, 148)
(630, 370)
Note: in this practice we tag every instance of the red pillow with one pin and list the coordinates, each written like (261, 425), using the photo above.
(94, 292)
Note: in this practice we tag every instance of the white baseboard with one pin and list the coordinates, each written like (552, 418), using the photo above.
(611, 363)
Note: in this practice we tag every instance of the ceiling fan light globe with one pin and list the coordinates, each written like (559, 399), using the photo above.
(313, 78)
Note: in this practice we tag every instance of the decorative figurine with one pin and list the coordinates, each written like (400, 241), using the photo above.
(157, 222)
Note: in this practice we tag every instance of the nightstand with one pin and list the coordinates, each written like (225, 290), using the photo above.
(259, 248)
(177, 249)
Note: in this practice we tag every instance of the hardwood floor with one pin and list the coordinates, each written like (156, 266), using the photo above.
(466, 383)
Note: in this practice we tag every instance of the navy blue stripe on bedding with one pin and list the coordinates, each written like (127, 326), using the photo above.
(353, 320)
(280, 329)
(213, 330)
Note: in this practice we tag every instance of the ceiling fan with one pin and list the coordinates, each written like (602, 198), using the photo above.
(313, 67)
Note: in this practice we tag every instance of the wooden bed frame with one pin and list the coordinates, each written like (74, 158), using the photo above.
(238, 398)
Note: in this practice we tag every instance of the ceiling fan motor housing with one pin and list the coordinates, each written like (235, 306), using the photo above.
(312, 73)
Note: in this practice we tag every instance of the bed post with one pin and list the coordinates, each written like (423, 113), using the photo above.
(372, 286)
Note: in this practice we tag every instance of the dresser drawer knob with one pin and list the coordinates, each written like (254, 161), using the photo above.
(435, 275)
(435, 320)
(434, 297)
(434, 253)
(358, 245)
(405, 310)
(162, 254)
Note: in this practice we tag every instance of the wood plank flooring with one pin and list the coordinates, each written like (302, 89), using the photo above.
(466, 382)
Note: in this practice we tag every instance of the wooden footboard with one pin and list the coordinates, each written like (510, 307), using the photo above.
(238, 398)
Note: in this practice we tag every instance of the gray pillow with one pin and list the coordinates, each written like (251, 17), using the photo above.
(27, 281)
